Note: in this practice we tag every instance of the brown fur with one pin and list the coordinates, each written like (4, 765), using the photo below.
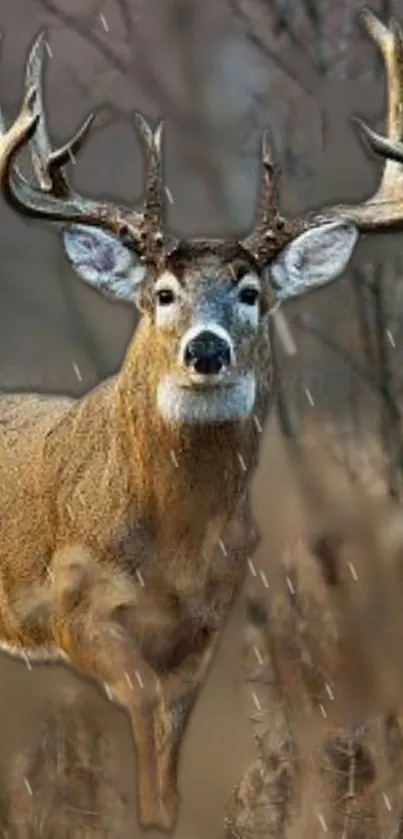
(99, 473)
(118, 525)
(117, 550)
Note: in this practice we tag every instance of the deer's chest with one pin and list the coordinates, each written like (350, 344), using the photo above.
(170, 628)
(183, 593)
(178, 549)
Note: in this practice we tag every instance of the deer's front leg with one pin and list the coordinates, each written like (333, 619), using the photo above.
(128, 680)
(181, 688)
(182, 684)
(170, 719)
(90, 608)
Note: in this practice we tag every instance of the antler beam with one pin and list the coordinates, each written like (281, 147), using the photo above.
(22, 130)
(53, 197)
(382, 211)
(385, 209)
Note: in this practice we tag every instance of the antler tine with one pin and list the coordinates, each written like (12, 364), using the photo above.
(391, 149)
(154, 190)
(19, 178)
(390, 42)
(269, 191)
(3, 128)
(35, 203)
(271, 231)
(48, 163)
(40, 146)
(68, 152)
(2, 120)
(385, 209)
(22, 129)
(382, 211)
(267, 209)
(53, 198)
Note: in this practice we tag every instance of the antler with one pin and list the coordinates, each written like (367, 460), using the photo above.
(272, 231)
(384, 210)
(22, 129)
(53, 197)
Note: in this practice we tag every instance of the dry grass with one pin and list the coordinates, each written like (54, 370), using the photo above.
(65, 785)
(323, 660)
(322, 657)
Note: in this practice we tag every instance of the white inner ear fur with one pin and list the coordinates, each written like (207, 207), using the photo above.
(104, 262)
(315, 258)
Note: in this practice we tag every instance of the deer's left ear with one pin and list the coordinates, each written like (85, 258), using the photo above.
(103, 262)
(313, 259)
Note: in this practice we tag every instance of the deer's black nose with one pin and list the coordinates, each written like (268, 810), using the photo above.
(207, 353)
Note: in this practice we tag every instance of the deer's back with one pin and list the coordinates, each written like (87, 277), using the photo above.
(26, 418)
(25, 421)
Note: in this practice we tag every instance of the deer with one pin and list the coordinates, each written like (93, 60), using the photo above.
(124, 518)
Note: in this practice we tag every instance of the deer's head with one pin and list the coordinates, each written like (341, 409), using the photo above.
(206, 301)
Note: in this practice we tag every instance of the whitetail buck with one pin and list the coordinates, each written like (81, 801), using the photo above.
(146, 473)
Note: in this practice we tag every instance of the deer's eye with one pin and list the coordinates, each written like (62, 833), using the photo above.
(249, 295)
(165, 296)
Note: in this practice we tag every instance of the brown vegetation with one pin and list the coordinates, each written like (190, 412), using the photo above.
(323, 662)
(148, 470)
(67, 783)
(345, 751)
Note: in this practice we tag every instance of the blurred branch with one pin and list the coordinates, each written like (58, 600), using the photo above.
(201, 145)
(345, 38)
(286, 413)
(369, 286)
(82, 332)
(312, 325)
(364, 313)
(284, 15)
(307, 79)
(390, 413)
(378, 372)
(293, 37)
(138, 63)
(184, 26)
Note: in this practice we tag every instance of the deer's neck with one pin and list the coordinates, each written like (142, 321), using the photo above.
(185, 471)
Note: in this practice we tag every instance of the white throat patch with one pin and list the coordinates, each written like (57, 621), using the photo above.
(203, 405)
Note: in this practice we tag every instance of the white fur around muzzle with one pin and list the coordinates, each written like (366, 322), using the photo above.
(202, 405)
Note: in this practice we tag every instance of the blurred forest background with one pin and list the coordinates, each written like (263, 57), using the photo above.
(218, 72)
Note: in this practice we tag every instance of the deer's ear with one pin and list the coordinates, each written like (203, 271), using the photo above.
(105, 263)
(313, 259)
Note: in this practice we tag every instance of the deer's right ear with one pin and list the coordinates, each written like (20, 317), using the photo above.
(314, 259)
(105, 263)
